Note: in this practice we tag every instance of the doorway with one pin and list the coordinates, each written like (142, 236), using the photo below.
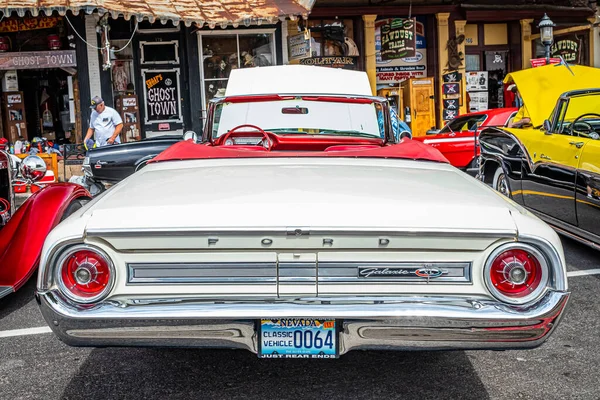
(46, 100)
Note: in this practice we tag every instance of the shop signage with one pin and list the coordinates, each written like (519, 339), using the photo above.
(14, 99)
(161, 93)
(129, 102)
(453, 76)
(451, 104)
(451, 88)
(448, 115)
(28, 24)
(539, 62)
(345, 62)
(391, 71)
(299, 47)
(38, 59)
(495, 60)
(569, 47)
(398, 38)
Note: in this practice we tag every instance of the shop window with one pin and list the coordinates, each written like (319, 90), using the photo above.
(160, 52)
(221, 53)
(473, 62)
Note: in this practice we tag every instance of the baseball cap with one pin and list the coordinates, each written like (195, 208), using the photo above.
(95, 101)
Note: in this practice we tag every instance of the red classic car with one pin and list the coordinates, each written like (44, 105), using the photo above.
(23, 231)
(456, 141)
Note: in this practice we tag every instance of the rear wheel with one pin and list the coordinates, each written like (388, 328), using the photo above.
(501, 183)
(74, 206)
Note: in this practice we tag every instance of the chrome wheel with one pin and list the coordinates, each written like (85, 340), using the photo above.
(501, 183)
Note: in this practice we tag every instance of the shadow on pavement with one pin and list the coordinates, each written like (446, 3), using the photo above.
(15, 301)
(229, 374)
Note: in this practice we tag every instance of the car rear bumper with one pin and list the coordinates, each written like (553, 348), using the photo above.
(407, 323)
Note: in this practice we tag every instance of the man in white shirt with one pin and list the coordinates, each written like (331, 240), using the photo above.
(105, 124)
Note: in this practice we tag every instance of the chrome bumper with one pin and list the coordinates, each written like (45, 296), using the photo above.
(407, 323)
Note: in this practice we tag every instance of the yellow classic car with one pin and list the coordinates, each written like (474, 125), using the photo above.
(551, 165)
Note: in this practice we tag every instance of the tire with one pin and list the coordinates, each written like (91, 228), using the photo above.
(500, 183)
(74, 206)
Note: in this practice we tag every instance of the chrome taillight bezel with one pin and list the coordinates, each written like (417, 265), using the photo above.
(61, 285)
(535, 294)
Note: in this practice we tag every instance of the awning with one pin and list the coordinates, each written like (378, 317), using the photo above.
(199, 12)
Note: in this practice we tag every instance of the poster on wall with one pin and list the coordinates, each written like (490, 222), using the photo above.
(477, 81)
(299, 47)
(479, 101)
(569, 47)
(394, 71)
(161, 95)
(397, 38)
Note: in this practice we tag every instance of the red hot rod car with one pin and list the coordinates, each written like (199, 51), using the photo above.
(456, 141)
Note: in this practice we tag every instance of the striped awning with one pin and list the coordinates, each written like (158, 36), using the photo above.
(199, 12)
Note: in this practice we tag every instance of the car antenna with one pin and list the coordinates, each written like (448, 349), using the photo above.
(563, 62)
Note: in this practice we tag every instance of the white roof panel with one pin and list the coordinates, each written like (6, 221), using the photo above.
(297, 79)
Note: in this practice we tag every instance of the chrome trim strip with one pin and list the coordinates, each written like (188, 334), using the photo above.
(195, 273)
(5, 291)
(349, 272)
(174, 231)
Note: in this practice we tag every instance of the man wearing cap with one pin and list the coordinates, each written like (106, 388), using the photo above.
(105, 124)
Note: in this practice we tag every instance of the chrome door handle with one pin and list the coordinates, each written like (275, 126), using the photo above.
(577, 144)
(545, 157)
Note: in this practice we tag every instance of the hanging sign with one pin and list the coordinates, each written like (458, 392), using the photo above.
(539, 62)
(38, 59)
(344, 62)
(391, 71)
(398, 38)
(449, 115)
(451, 88)
(453, 76)
(299, 47)
(28, 24)
(451, 104)
(161, 93)
(569, 47)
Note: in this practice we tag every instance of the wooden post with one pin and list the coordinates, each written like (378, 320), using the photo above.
(443, 37)
(526, 52)
(460, 30)
(369, 51)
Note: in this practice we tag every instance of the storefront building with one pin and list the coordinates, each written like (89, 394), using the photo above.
(158, 66)
(433, 61)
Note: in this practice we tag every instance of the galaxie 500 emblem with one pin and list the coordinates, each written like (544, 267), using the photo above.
(392, 272)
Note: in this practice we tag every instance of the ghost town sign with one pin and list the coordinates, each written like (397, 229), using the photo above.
(38, 59)
(162, 95)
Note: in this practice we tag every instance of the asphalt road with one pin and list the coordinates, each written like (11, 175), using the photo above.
(38, 366)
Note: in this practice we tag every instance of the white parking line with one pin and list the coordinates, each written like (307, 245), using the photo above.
(583, 273)
(24, 332)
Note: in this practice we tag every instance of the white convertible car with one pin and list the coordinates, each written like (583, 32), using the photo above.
(298, 228)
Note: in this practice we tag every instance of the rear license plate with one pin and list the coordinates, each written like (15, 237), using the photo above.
(298, 338)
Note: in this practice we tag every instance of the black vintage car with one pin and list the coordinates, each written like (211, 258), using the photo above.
(112, 164)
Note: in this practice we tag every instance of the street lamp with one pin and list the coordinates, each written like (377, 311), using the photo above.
(547, 34)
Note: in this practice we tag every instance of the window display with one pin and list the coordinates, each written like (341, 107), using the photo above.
(228, 51)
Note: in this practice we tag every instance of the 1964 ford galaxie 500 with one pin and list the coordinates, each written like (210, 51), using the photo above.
(297, 228)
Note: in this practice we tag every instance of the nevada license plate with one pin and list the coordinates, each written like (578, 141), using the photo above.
(298, 338)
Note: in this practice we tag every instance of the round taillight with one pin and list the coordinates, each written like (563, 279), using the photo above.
(516, 274)
(85, 274)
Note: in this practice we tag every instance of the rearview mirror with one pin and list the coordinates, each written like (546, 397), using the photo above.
(190, 135)
(33, 168)
(547, 127)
